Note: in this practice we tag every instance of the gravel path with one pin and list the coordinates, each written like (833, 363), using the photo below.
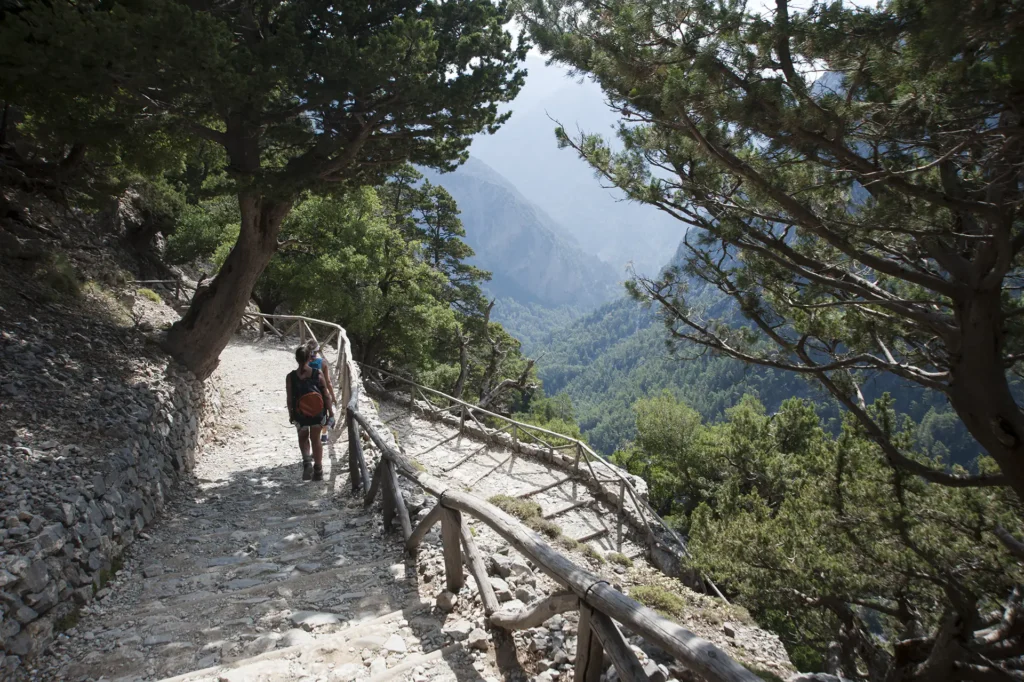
(252, 574)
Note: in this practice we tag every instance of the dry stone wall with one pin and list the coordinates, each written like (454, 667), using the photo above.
(67, 514)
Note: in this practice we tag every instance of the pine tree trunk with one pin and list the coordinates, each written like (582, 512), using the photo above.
(980, 391)
(198, 338)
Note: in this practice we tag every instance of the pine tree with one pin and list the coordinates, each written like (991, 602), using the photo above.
(440, 234)
(305, 95)
(853, 180)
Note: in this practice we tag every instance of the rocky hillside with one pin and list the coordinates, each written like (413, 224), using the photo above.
(96, 428)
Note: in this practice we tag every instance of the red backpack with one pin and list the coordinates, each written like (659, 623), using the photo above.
(309, 402)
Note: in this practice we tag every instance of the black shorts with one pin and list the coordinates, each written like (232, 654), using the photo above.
(304, 422)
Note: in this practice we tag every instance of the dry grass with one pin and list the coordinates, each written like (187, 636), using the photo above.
(591, 553)
(673, 600)
(620, 559)
(521, 509)
(530, 514)
(151, 295)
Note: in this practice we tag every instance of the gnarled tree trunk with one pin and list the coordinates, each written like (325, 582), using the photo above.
(197, 339)
(980, 391)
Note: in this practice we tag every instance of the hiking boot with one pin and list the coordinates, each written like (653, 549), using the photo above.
(307, 471)
(318, 473)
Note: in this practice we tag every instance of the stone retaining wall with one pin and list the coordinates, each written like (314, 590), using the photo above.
(59, 552)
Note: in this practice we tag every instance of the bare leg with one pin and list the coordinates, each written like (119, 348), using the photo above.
(304, 445)
(318, 447)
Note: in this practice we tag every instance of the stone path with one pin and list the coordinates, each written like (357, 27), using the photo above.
(253, 574)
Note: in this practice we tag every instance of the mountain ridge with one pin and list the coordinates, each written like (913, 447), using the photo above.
(532, 258)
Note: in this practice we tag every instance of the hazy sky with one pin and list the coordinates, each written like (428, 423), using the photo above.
(526, 153)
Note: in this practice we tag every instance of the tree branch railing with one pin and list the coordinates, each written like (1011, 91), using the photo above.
(623, 488)
(604, 610)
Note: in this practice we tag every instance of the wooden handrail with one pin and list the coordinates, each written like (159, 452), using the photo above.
(698, 654)
(645, 509)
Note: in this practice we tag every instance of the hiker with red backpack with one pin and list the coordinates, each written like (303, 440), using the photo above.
(318, 361)
(309, 406)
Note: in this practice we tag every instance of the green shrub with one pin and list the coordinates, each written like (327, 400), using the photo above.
(151, 295)
(620, 559)
(660, 599)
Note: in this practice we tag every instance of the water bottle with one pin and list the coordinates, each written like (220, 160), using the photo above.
(323, 433)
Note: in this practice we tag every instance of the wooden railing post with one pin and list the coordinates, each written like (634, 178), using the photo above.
(589, 654)
(355, 455)
(399, 501)
(462, 420)
(622, 513)
(387, 497)
(515, 437)
(612, 641)
(451, 537)
(575, 471)
(475, 564)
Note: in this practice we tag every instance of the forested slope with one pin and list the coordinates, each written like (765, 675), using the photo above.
(608, 359)
(532, 259)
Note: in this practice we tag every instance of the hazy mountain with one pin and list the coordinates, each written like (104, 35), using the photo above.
(533, 259)
(525, 152)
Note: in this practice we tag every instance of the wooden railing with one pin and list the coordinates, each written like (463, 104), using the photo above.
(514, 432)
(600, 605)
(602, 608)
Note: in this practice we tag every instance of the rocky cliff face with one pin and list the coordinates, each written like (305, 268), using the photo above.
(532, 258)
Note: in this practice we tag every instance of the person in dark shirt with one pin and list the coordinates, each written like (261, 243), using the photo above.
(318, 361)
(310, 404)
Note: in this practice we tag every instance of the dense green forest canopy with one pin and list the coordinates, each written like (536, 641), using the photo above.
(608, 359)
(823, 542)
(388, 262)
(861, 223)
